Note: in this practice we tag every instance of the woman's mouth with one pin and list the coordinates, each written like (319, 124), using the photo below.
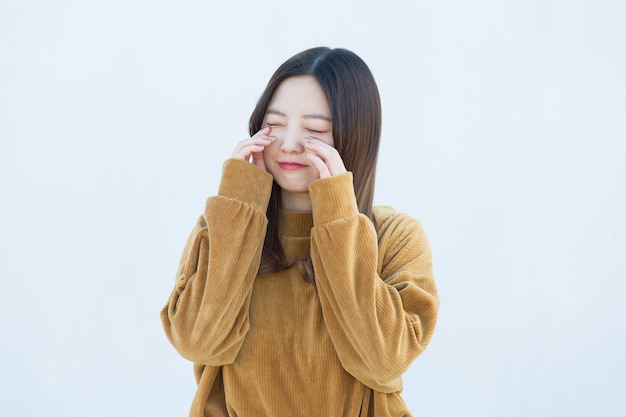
(290, 166)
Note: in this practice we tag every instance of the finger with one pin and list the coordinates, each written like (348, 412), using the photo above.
(322, 149)
(328, 154)
(319, 165)
(244, 151)
(263, 132)
(258, 160)
(259, 138)
(245, 148)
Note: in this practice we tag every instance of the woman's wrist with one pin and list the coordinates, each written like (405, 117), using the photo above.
(246, 182)
(333, 198)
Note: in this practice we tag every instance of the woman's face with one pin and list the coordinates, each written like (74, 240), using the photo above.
(298, 110)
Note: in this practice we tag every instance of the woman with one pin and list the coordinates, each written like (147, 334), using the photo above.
(295, 296)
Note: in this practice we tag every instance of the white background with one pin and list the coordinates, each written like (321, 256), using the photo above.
(504, 133)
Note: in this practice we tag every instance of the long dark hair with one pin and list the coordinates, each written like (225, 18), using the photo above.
(354, 104)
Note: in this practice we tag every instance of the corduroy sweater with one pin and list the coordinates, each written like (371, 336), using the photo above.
(276, 345)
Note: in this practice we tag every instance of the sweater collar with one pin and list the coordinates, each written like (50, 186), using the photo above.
(294, 223)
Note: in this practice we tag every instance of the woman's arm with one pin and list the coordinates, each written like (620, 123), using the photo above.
(206, 317)
(377, 291)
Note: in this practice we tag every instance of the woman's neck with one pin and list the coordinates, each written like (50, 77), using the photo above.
(296, 201)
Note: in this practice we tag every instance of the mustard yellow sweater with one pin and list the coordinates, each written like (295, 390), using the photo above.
(275, 345)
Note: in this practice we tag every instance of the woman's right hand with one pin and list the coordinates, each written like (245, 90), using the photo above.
(253, 147)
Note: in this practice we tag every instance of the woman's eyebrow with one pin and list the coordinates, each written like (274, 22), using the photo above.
(276, 112)
(318, 116)
(306, 116)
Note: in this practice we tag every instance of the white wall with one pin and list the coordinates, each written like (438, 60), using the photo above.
(504, 133)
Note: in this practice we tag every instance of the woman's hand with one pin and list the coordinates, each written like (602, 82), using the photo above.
(253, 147)
(324, 158)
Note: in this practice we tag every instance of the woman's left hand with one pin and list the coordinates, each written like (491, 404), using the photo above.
(324, 158)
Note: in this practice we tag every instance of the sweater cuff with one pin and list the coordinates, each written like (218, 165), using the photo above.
(245, 182)
(333, 198)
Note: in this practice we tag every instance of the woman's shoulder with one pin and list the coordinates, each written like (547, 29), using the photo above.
(401, 242)
(390, 221)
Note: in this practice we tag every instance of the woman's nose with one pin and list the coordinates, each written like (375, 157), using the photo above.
(292, 141)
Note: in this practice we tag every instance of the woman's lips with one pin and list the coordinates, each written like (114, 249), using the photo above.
(290, 166)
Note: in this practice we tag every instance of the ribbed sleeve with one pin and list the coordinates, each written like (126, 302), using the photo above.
(380, 313)
(333, 198)
(245, 183)
(206, 317)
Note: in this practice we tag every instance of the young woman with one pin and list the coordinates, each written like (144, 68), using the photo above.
(294, 296)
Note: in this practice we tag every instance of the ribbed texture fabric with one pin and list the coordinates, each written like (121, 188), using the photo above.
(275, 345)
